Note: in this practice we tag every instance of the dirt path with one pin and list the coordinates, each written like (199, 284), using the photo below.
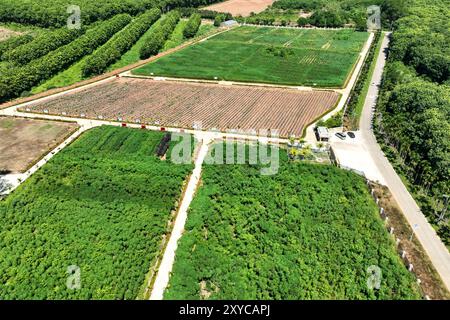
(6, 33)
(165, 268)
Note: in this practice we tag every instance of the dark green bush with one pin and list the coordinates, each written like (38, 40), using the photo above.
(192, 26)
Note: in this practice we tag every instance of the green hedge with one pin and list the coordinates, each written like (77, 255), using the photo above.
(13, 43)
(20, 79)
(98, 62)
(156, 39)
(41, 45)
(192, 26)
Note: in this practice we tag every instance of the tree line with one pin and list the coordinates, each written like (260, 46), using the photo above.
(159, 34)
(120, 43)
(41, 45)
(53, 13)
(19, 79)
(413, 121)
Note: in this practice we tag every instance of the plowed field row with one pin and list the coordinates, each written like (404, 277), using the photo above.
(184, 104)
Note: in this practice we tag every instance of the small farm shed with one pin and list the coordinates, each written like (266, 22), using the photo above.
(229, 23)
(322, 134)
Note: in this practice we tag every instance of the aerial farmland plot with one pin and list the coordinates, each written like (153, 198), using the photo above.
(308, 232)
(24, 141)
(103, 204)
(322, 58)
(240, 7)
(184, 104)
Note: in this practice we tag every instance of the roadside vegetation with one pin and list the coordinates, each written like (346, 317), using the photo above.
(355, 102)
(308, 232)
(413, 121)
(102, 204)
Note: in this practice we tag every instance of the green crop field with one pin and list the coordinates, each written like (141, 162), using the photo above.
(267, 55)
(309, 232)
(103, 204)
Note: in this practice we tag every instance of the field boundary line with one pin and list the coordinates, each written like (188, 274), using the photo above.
(106, 76)
(231, 83)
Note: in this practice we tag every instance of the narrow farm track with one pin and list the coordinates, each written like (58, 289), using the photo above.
(165, 268)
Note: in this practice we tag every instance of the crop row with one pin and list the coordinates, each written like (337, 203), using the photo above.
(183, 104)
(19, 79)
(41, 45)
(119, 44)
(14, 42)
(156, 39)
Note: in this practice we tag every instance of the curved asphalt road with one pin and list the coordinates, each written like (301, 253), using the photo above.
(427, 236)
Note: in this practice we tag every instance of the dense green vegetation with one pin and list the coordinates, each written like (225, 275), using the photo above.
(326, 13)
(154, 42)
(413, 123)
(101, 204)
(322, 58)
(41, 45)
(100, 60)
(192, 26)
(309, 232)
(17, 80)
(53, 13)
(74, 73)
(14, 42)
(336, 13)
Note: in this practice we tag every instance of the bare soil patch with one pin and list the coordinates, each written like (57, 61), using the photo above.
(241, 7)
(23, 142)
(183, 105)
(6, 33)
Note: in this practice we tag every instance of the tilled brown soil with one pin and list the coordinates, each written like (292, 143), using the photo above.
(183, 105)
(24, 141)
(241, 7)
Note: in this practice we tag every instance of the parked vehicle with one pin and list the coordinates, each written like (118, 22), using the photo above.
(341, 135)
(351, 134)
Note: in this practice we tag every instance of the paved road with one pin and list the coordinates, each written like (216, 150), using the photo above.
(427, 236)
(310, 135)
